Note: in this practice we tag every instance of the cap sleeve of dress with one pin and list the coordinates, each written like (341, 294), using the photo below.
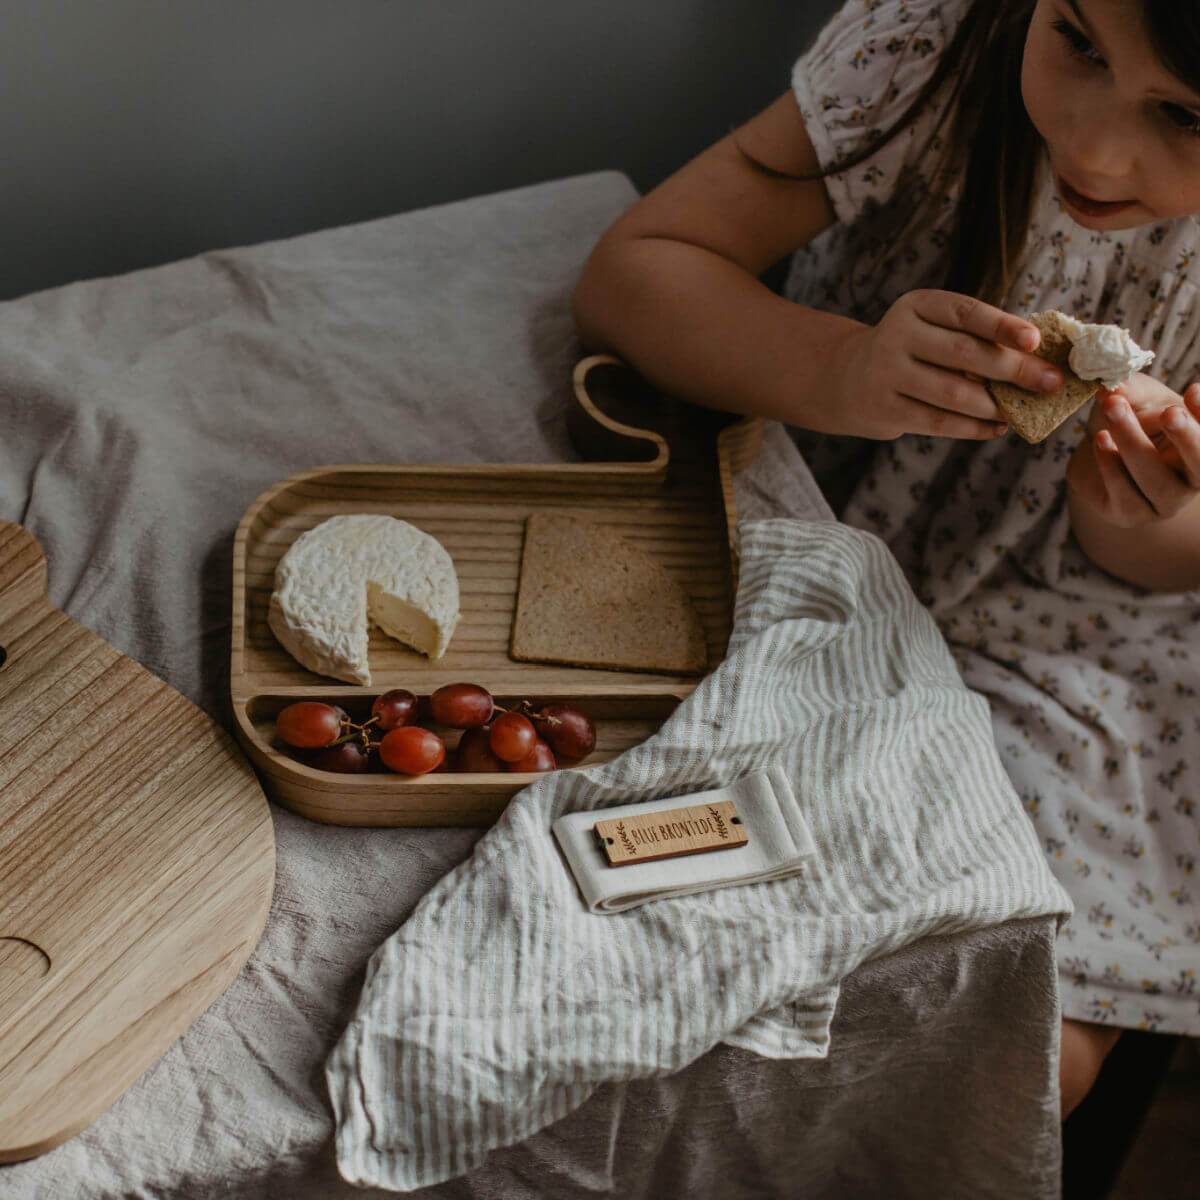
(862, 72)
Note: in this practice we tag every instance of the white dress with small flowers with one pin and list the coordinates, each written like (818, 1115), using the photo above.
(1093, 683)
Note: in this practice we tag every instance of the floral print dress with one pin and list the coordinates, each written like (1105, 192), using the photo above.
(1092, 682)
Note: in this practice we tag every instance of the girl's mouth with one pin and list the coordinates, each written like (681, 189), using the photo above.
(1087, 205)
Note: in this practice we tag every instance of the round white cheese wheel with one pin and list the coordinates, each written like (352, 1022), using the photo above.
(355, 568)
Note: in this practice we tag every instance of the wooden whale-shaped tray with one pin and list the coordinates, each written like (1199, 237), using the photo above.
(137, 860)
(659, 474)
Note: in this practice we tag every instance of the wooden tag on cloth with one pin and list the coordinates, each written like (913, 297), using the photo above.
(692, 829)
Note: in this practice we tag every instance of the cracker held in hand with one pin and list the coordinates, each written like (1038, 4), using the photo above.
(1036, 415)
(590, 598)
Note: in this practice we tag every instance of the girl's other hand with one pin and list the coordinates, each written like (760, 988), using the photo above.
(1140, 460)
(920, 370)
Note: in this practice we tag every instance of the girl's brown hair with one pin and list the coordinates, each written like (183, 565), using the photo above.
(979, 73)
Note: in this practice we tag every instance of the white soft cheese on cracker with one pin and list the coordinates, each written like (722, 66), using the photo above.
(1104, 352)
(354, 569)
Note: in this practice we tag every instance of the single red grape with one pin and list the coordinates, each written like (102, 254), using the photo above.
(513, 736)
(347, 759)
(308, 724)
(475, 751)
(411, 750)
(540, 758)
(461, 705)
(394, 709)
(571, 734)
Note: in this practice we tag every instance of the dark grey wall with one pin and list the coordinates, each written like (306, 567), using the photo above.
(138, 131)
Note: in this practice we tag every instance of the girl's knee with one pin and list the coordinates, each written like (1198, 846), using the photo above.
(1084, 1049)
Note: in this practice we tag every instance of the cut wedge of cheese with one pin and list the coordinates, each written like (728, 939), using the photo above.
(358, 568)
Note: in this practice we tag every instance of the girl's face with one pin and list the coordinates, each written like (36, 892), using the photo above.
(1122, 132)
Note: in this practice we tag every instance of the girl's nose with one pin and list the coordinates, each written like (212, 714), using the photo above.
(1104, 152)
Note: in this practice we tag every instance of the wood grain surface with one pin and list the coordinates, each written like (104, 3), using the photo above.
(137, 861)
(659, 474)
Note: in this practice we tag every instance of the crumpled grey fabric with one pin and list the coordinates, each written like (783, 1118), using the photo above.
(139, 417)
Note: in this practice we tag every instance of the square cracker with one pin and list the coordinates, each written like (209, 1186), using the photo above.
(1036, 415)
(590, 598)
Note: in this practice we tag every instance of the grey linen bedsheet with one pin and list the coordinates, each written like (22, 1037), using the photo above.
(139, 416)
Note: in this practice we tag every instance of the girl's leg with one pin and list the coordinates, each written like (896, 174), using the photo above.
(1084, 1049)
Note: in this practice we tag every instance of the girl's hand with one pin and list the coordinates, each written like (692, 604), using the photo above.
(920, 370)
(1140, 460)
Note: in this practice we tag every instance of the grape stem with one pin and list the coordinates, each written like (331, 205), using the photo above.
(525, 707)
(353, 732)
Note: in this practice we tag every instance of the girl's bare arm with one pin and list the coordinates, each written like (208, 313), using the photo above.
(1163, 557)
(673, 286)
(673, 289)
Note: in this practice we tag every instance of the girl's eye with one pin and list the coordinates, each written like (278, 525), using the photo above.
(1182, 118)
(1078, 43)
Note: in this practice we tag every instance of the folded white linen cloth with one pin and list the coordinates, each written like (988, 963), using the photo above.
(779, 842)
(503, 1002)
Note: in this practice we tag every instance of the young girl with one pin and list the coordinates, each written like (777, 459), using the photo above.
(939, 166)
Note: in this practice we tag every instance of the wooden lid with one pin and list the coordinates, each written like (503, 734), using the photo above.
(137, 861)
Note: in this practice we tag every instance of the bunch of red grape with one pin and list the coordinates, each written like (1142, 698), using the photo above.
(522, 737)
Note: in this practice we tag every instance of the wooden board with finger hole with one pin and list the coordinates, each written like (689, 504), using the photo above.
(137, 861)
(658, 474)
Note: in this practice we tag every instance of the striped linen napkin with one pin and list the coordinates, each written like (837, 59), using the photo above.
(503, 1003)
